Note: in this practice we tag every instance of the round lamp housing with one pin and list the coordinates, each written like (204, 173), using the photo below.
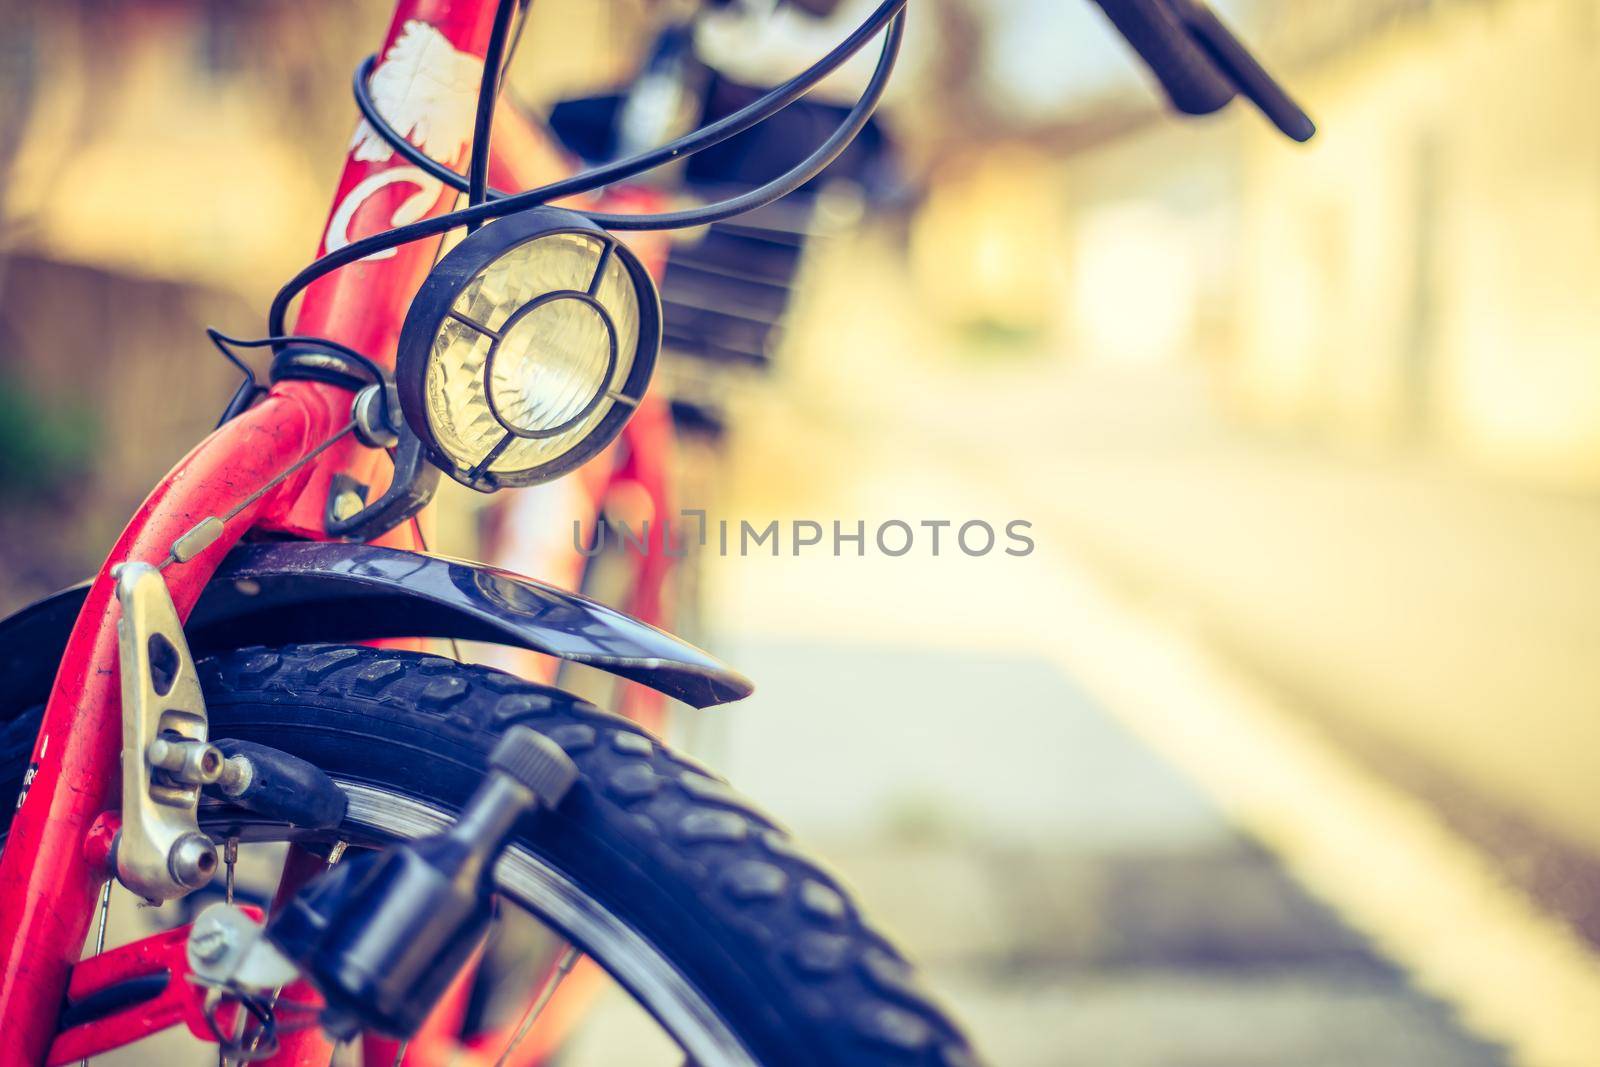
(527, 349)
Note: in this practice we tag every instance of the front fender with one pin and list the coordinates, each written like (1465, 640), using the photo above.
(277, 593)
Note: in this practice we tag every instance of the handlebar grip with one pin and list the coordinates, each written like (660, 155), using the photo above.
(1229, 53)
(1186, 73)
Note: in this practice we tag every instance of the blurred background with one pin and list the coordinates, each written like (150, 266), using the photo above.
(1280, 746)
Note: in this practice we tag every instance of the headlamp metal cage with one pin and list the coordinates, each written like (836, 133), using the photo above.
(434, 305)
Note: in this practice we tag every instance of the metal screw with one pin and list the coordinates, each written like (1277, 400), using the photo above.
(210, 940)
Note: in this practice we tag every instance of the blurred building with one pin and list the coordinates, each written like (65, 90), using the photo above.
(1341, 403)
(1420, 275)
(162, 170)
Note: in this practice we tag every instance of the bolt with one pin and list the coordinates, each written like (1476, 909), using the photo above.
(371, 412)
(210, 940)
(192, 861)
(190, 762)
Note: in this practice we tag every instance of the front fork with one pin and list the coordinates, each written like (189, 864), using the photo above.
(56, 857)
(49, 880)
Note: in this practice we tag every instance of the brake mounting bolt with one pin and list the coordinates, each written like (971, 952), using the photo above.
(192, 861)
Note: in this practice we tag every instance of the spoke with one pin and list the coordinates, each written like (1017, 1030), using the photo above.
(105, 913)
(230, 856)
(100, 934)
(563, 968)
(400, 1053)
(334, 855)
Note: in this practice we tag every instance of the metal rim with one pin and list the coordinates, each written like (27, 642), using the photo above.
(552, 898)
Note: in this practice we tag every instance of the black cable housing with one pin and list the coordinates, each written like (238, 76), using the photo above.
(488, 94)
(358, 369)
(707, 136)
(801, 173)
(889, 15)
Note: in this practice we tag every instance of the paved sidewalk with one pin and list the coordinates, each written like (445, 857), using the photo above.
(1075, 898)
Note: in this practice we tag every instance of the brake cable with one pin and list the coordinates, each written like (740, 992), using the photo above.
(204, 533)
(889, 17)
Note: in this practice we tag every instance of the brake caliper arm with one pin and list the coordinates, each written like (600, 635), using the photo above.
(166, 756)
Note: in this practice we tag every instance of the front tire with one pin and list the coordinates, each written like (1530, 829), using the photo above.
(776, 953)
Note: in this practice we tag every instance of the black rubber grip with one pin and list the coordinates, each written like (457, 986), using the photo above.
(1186, 72)
(1245, 71)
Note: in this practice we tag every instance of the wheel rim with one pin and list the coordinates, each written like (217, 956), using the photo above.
(553, 899)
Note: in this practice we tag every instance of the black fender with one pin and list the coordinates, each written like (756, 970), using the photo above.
(275, 593)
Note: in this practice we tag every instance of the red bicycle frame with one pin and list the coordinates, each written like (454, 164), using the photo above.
(55, 860)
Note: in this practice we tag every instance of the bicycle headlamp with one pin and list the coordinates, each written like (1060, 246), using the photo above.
(527, 348)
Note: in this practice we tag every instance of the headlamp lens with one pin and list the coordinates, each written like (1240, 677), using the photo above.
(535, 354)
(550, 365)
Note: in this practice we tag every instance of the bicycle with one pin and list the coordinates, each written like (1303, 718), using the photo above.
(222, 663)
